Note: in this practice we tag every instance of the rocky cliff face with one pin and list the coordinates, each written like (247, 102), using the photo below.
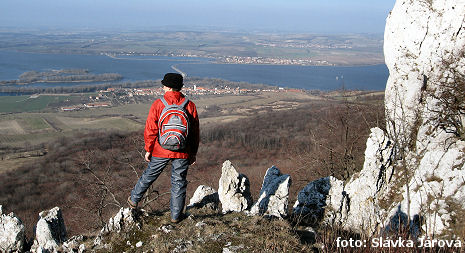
(424, 50)
(413, 175)
(414, 172)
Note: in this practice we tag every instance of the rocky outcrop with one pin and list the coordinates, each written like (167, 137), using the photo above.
(74, 244)
(414, 171)
(317, 197)
(424, 50)
(125, 219)
(12, 235)
(274, 195)
(50, 231)
(359, 205)
(234, 190)
(204, 196)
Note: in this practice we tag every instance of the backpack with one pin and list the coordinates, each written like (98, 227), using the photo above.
(173, 126)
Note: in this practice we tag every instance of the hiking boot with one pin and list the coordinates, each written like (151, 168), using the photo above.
(132, 204)
(175, 221)
(180, 218)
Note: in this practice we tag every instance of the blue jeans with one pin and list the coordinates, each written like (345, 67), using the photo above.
(178, 182)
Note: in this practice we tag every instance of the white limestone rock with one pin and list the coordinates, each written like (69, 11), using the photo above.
(415, 170)
(12, 234)
(204, 196)
(358, 204)
(274, 195)
(74, 244)
(419, 36)
(313, 200)
(123, 220)
(82, 248)
(50, 231)
(436, 192)
(424, 46)
(234, 190)
(233, 249)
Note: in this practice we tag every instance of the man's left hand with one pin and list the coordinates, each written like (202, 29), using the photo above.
(147, 156)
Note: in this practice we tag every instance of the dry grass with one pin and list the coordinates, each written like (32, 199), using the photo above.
(208, 231)
(11, 127)
(11, 165)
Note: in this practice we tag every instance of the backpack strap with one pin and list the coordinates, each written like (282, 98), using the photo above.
(184, 103)
(164, 101)
(181, 105)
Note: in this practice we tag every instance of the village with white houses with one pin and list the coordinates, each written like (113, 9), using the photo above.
(118, 96)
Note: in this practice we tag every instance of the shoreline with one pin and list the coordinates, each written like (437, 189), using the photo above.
(43, 81)
(200, 60)
(282, 75)
(194, 59)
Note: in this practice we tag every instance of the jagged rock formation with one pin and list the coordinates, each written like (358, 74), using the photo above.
(414, 172)
(234, 190)
(314, 197)
(358, 205)
(74, 244)
(204, 196)
(274, 195)
(50, 231)
(424, 48)
(12, 235)
(123, 220)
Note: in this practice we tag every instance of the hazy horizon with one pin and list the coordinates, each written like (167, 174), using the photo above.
(318, 16)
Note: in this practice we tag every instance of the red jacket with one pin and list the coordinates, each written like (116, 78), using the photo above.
(151, 128)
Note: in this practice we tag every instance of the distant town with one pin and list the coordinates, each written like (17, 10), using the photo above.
(118, 96)
(237, 59)
(276, 61)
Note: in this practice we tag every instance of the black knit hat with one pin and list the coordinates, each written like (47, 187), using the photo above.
(173, 80)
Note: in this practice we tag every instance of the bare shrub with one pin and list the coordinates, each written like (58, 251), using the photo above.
(336, 140)
(450, 96)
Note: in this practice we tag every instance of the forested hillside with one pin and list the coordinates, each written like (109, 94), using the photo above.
(91, 175)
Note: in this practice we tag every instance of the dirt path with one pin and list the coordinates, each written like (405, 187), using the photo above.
(52, 125)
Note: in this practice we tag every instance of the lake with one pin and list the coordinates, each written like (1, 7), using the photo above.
(138, 68)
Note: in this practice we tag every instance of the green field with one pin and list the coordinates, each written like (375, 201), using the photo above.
(37, 125)
(28, 103)
(33, 123)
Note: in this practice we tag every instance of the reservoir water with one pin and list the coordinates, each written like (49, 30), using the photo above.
(139, 68)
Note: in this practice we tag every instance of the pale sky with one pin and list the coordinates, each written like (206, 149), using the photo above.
(317, 16)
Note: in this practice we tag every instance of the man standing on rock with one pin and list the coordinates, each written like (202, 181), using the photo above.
(171, 134)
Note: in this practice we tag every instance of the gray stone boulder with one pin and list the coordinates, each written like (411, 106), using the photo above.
(12, 236)
(274, 195)
(50, 231)
(204, 196)
(74, 244)
(125, 219)
(234, 190)
(313, 199)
